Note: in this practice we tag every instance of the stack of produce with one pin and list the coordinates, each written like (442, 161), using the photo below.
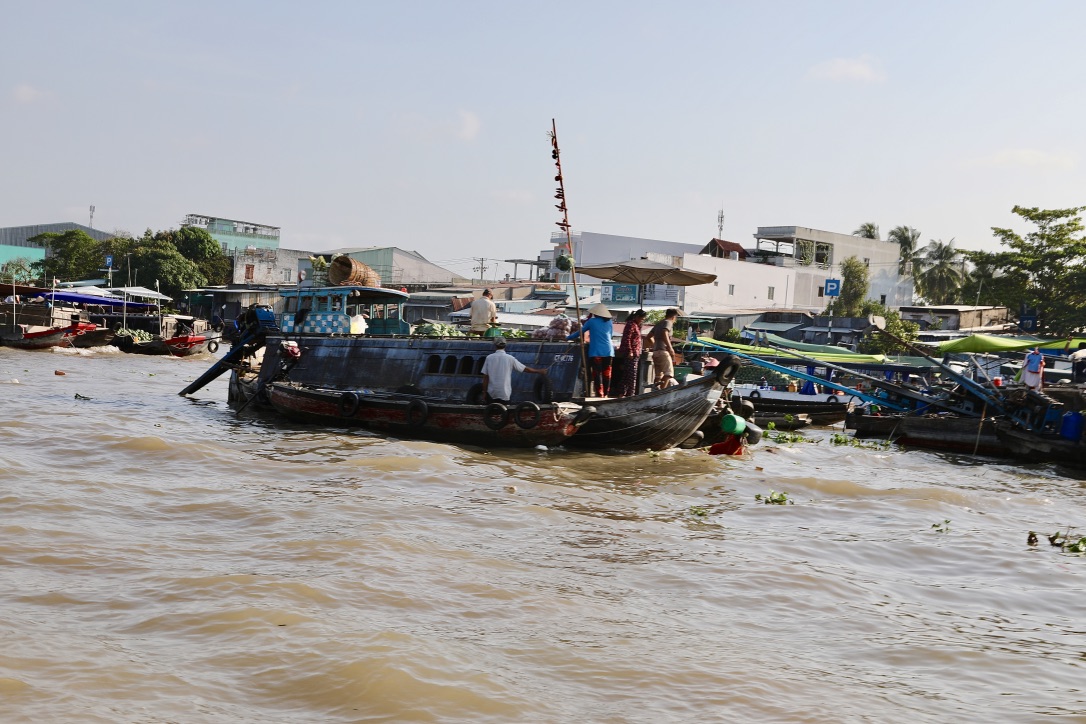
(437, 330)
(559, 328)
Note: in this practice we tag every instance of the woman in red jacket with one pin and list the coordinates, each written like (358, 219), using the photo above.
(629, 351)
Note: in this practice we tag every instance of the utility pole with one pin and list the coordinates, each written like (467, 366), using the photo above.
(481, 268)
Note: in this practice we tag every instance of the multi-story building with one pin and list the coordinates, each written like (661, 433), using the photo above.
(236, 235)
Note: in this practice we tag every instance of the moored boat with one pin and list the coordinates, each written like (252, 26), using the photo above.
(40, 325)
(951, 433)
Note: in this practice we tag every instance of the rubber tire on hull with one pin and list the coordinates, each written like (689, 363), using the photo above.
(533, 412)
(417, 413)
(348, 404)
(496, 415)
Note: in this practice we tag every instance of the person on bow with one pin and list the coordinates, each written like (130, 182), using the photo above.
(601, 350)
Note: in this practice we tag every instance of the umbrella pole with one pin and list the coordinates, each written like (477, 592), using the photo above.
(564, 224)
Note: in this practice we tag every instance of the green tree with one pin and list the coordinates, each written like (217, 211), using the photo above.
(876, 343)
(854, 287)
(17, 271)
(906, 237)
(1046, 266)
(941, 277)
(70, 256)
(867, 230)
(200, 247)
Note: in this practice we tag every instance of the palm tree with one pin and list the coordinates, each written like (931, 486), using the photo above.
(906, 238)
(867, 230)
(941, 277)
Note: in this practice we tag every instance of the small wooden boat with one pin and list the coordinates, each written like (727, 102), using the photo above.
(821, 409)
(1041, 446)
(526, 425)
(97, 337)
(944, 431)
(40, 325)
(654, 420)
(184, 345)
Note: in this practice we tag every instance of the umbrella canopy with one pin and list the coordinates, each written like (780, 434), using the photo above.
(644, 271)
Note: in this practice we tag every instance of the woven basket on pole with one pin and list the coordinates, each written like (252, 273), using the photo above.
(345, 271)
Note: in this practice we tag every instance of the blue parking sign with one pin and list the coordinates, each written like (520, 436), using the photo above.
(109, 260)
(833, 288)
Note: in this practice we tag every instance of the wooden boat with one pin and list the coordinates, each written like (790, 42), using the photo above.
(97, 337)
(952, 433)
(1041, 446)
(184, 345)
(820, 409)
(526, 425)
(654, 420)
(41, 326)
(311, 345)
(178, 336)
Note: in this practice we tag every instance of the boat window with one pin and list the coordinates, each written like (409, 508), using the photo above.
(450, 366)
(466, 365)
(479, 365)
(433, 365)
(394, 311)
(292, 304)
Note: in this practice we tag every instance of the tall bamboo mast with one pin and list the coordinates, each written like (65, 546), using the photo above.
(560, 194)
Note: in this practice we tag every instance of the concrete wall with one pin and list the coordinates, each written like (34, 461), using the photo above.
(268, 266)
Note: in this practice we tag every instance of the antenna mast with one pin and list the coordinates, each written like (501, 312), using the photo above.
(560, 194)
(92, 217)
(720, 223)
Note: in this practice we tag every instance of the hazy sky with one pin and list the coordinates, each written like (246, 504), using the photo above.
(424, 125)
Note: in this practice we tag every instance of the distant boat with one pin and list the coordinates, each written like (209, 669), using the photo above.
(944, 431)
(40, 325)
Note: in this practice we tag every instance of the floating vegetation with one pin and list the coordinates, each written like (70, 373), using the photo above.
(774, 498)
(1064, 541)
(841, 439)
(943, 527)
(698, 511)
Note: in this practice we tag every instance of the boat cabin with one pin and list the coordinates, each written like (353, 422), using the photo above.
(345, 310)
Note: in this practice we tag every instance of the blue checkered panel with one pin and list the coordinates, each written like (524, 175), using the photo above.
(319, 323)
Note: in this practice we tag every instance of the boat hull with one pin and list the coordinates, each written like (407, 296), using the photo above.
(183, 346)
(652, 421)
(1041, 447)
(825, 410)
(935, 432)
(527, 425)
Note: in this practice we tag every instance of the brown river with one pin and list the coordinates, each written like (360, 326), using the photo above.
(165, 560)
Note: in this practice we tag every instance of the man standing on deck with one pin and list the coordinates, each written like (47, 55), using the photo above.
(483, 312)
(498, 373)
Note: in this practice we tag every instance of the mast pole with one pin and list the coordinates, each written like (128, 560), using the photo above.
(560, 194)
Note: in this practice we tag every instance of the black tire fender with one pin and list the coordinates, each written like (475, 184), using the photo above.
(417, 413)
(348, 404)
(116, 327)
(213, 346)
(754, 394)
(527, 415)
(746, 409)
(544, 390)
(726, 370)
(495, 415)
(834, 398)
(475, 394)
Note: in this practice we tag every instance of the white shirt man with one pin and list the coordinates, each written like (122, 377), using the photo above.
(483, 312)
(498, 373)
